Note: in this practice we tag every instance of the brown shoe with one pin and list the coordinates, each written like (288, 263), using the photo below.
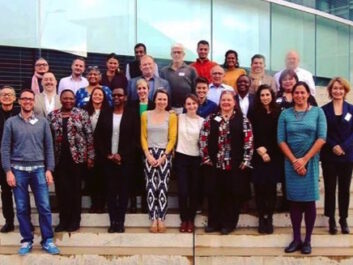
(154, 227)
(161, 226)
(183, 227)
(190, 227)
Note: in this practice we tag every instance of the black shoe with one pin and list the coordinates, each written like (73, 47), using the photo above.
(269, 225)
(111, 228)
(306, 248)
(60, 228)
(211, 229)
(119, 228)
(332, 226)
(262, 225)
(344, 226)
(73, 228)
(8, 227)
(293, 246)
(226, 230)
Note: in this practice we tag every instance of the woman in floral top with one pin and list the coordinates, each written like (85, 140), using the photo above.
(226, 145)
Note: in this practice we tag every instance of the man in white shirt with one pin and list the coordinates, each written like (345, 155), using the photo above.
(245, 99)
(216, 86)
(292, 62)
(75, 81)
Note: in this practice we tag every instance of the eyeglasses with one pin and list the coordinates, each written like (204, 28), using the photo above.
(41, 64)
(118, 95)
(93, 67)
(7, 95)
(27, 99)
(217, 73)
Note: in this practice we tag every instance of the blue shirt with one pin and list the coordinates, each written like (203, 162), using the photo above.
(206, 108)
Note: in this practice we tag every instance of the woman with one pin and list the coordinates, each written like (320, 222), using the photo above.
(301, 134)
(96, 107)
(226, 144)
(158, 137)
(187, 162)
(113, 77)
(84, 93)
(73, 147)
(267, 160)
(337, 153)
(232, 70)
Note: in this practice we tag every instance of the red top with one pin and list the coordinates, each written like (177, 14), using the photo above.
(203, 68)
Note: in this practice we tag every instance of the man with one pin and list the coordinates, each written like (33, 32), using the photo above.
(75, 81)
(292, 62)
(217, 85)
(27, 157)
(41, 66)
(244, 99)
(180, 76)
(258, 75)
(203, 65)
(206, 106)
(7, 110)
(133, 68)
(147, 67)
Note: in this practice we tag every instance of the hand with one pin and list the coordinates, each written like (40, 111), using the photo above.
(117, 159)
(90, 163)
(337, 150)
(208, 163)
(301, 171)
(261, 150)
(151, 160)
(49, 177)
(266, 158)
(10, 178)
(245, 165)
(161, 160)
(299, 163)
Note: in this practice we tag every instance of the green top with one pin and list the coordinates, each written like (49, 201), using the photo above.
(143, 107)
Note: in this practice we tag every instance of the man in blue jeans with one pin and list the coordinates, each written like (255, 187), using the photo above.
(27, 157)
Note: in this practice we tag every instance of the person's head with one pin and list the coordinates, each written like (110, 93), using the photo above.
(217, 74)
(338, 88)
(49, 82)
(177, 52)
(119, 97)
(292, 60)
(112, 63)
(142, 88)
(67, 99)
(191, 103)
(258, 64)
(93, 75)
(140, 50)
(147, 66)
(41, 66)
(287, 80)
(7, 95)
(243, 84)
(26, 100)
(265, 97)
(301, 93)
(201, 87)
(203, 47)
(97, 98)
(231, 59)
(227, 101)
(161, 99)
(78, 66)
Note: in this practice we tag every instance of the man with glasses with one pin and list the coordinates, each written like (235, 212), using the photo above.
(74, 81)
(27, 157)
(217, 86)
(41, 66)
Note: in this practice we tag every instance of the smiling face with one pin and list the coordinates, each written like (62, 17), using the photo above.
(288, 83)
(265, 97)
(26, 101)
(7, 96)
(142, 90)
(300, 96)
(177, 54)
(227, 102)
(41, 66)
(191, 105)
(217, 74)
(292, 60)
(147, 66)
(161, 101)
(139, 52)
(67, 99)
(112, 64)
(243, 84)
(337, 91)
(118, 97)
(97, 96)
(258, 66)
(231, 60)
(201, 90)
(78, 67)
(93, 77)
(202, 51)
(49, 82)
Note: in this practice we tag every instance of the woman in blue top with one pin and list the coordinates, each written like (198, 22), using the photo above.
(337, 153)
(301, 134)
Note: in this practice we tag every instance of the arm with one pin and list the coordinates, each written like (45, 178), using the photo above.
(49, 154)
(88, 134)
(203, 141)
(144, 143)
(6, 144)
(172, 133)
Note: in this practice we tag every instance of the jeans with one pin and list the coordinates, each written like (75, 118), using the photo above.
(37, 181)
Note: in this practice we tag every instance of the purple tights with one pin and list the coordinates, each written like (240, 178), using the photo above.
(296, 215)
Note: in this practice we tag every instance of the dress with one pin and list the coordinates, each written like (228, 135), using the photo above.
(300, 130)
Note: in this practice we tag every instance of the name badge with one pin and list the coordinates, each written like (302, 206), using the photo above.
(348, 117)
(181, 74)
(33, 121)
(217, 119)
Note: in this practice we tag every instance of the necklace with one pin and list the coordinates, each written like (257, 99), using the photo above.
(299, 115)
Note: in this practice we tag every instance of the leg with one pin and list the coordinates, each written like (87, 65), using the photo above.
(310, 216)
(227, 214)
(123, 194)
(194, 187)
(151, 186)
(182, 176)
(296, 216)
(62, 194)
(344, 184)
(260, 191)
(330, 180)
(6, 199)
(76, 178)
(213, 194)
(163, 173)
(111, 172)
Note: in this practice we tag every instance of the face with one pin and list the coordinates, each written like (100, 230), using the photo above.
(177, 54)
(231, 60)
(147, 66)
(112, 64)
(191, 106)
(118, 97)
(217, 74)
(139, 52)
(288, 83)
(49, 82)
(93, 77)
(265, 97)
(78, 67)
(142, 91)
(202, 51)
(201, 90)
(7, 96)
(161, 101)
(337, 91)
(67, 100)
(227, 102)
(26, 101)
(292, 60)
(258, 66)
(41, 66)
(243, 84)
(97, 96)
(300, 96)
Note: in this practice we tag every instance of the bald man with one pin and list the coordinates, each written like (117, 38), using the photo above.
(292, 62)
(217, 86)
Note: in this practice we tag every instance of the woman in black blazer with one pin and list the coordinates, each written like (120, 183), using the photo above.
(337, 153)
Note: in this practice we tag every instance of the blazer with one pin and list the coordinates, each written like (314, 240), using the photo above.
(339, 131)
(39, 105)
(251, 104)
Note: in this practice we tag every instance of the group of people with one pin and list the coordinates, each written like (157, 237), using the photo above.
(220, 127)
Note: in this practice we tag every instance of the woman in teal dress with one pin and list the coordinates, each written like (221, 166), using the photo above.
(301, 134)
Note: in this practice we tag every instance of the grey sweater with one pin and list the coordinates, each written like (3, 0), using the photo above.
(27, 144)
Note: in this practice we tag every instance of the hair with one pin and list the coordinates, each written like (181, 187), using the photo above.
(178, 45)
(301, 83)
(193, 97)
(140, 81)
(203, 42)
(286, 72)
(257, 56)
(79, 58)
(93, 68)
(342, 82)
(111, 56)
(26, 90)
(140, 45)
(8, 87)
(202, 80)
(162, 91)
(258, 106)
(225, 65)
(40, 58)
(67, 90)
(89, 107)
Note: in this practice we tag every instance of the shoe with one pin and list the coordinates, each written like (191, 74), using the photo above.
(190, 227)
(119, 228)
(226, 230)
(269, 225)
(262, 225)
(293, 246)
(306, 248)
(161, 226)
(25, 248)
(60, 228)
(73, 228)
(183, 227)
(8, 227)
(344, 226)
(111, 228)
(154, 227)
(50, 247)
(211, 229)
(332, 226)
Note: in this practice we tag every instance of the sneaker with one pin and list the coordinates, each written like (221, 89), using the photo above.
(25, 248)
(50, 247)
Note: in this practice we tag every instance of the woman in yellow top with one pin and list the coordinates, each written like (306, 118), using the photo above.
(232, 70)
(158, 137)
